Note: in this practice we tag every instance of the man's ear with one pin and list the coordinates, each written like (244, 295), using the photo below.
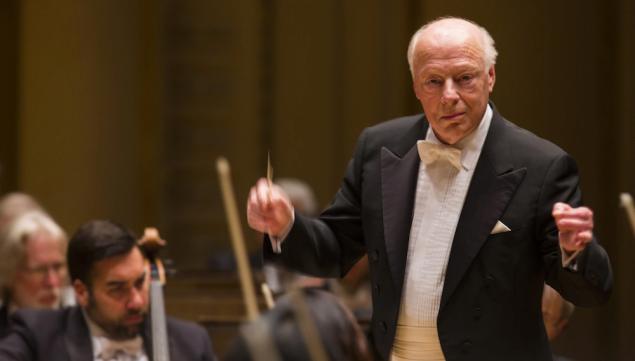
(491, 78)
(81, 293)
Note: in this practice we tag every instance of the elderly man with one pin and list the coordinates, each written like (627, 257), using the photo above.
(32, 265)
(463, 216)
(109, 276)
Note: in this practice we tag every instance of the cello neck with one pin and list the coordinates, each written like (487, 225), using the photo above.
(160, 349)
(151, 242)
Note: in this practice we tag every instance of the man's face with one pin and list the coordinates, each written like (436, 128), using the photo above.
(451, 81)
(117, 300)
(41, 275)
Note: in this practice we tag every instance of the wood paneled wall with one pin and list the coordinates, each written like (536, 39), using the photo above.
(9, 31)
(89, 133)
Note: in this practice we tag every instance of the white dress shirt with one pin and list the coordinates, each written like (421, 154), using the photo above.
(440, 194)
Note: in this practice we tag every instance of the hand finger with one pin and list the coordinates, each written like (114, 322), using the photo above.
(255, 218)
(255, 221)
(580, 212)
(253, 201)
(568, 241)
(252, 198)
(573, 224)
(559, 208)
(583, 238)
(267, 222)
(264, 192)
(259, 213)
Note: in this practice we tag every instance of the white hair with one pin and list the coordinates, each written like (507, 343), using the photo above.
(13, 205)
(13, 240)
(487, 42)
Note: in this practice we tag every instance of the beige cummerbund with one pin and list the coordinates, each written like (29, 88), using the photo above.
(416, 343)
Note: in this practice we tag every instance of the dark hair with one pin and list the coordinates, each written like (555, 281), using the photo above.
(94, 241)
(339, 334)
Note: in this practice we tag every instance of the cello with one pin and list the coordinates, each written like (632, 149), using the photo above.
(151, 242)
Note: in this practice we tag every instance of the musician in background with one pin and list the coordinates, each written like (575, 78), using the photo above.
(108, 273)
(32, 264)
(556, 313)
(278, 334)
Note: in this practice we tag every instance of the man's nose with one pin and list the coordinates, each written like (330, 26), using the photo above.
(450, 93)
(136, 299)
(52, 278)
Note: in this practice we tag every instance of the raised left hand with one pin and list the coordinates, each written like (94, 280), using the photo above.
(575, 226)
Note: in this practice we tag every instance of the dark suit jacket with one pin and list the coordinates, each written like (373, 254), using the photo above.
(63, 335)
(490, 305)
(4, 320)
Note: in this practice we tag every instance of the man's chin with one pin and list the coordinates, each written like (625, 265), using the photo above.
(126, 332)
(454, 132)
(48, 301)
(450, 137)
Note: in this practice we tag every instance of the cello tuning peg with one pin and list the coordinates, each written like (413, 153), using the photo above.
(151, 239)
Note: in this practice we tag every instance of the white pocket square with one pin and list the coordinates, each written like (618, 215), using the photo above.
(500, 227)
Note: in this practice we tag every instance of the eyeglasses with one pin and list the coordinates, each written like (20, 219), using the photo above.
(42, 271)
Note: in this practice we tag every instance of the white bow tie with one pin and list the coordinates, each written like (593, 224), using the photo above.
(431, 152)
(120, 350)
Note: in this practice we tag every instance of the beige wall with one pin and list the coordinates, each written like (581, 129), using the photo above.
(82, 133)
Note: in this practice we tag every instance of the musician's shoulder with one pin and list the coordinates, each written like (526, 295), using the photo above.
(184, 327)
(189, 340)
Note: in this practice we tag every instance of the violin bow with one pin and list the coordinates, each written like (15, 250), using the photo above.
(238, 241)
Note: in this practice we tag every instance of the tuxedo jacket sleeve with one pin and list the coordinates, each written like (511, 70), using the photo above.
(490, 305)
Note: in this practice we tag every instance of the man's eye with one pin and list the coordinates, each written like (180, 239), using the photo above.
(466, 78)
(117, 291)
(432, 82)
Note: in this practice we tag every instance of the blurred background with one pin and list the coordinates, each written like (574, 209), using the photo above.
(119, 109)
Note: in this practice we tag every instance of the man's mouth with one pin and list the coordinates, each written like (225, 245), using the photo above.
(133, 319)
(48, 300)
(452, 116)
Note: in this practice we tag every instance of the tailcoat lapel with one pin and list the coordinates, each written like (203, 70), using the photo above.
(493, 184)
(399, 169)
